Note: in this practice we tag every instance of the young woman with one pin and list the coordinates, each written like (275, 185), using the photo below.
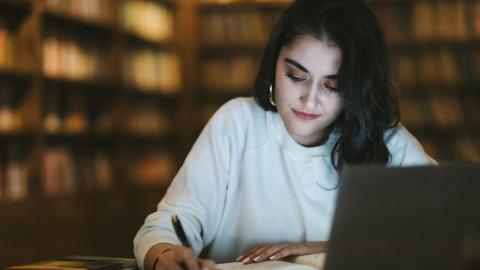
(261, 180)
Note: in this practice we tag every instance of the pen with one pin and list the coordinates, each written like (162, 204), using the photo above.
(177, 225)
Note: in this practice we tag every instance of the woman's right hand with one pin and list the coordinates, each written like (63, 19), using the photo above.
(174, 257)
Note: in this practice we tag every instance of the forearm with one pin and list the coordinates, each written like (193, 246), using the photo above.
(153, 253)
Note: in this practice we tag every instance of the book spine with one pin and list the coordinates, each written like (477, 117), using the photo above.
(152, 70)
(150, 20)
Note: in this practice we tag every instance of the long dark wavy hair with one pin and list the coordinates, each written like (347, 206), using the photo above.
(370, 106)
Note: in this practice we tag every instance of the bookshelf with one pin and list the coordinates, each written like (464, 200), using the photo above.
(434, 51)
(90, 95)
(231, 36)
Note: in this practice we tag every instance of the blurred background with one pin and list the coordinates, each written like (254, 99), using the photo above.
(100, 100)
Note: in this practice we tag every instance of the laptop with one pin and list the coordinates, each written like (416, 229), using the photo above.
(407, 218)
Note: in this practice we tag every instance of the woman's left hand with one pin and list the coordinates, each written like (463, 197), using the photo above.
(279, 251)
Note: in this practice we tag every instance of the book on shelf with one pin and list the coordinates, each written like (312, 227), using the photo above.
(451, 20)
(467, 149)
(146, 118)
(474, 12)
(424, 20)
(245, 27)
(65, 173)
(67, 56)
(153, 167)
(10, 117)
(15, 175)
(101, 11)
(394, 20)
(152, 70)
(80, 263)
(405, 69)
(8, 46)
(75, 121)
(75, 116)
(1, 181)
(238, 73)
(58, 171)
(52, 120)
(148, 19)
(412, 113)
(474, 61)
(3, 43)
(449, 68)
(446, 111)
(428, 68)
(435, 20)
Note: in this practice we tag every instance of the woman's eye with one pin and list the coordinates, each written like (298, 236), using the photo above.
(330, 88)
(294, 78)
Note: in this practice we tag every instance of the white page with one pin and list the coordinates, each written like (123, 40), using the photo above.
(316, 260)
(277, 265)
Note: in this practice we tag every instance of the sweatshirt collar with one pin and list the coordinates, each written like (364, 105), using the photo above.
(297, 150)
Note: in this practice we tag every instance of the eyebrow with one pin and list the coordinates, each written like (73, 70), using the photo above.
(304, 69)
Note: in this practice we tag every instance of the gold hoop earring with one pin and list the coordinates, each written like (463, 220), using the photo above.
(270, 97)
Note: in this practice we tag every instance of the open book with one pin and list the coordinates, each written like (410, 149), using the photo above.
(306, 262)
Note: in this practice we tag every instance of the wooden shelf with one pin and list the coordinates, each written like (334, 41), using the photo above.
(244, 4)
(90, 26)
(152, 93)
(137, 39)
(89, 83)
(425, 89)
(111, 87)
(161, 138)
(224, 94)
(16, 135)
(19, 8)
(17, 75)
(113, 135)
(416, 45)
(209, 50)
(406, 2)
(431, 130)
(83, 136)
(170, 3)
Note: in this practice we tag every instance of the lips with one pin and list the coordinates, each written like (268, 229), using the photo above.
(305, 116)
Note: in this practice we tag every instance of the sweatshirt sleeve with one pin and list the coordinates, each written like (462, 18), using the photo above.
(198, 191)
(406, 150)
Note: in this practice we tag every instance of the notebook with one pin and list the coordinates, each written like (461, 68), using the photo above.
(305, 262)
(407, 218)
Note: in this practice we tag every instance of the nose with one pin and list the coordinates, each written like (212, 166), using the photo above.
(310, 97)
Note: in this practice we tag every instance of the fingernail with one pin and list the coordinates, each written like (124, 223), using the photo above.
(272, 257)
(246, 260)
(256, 258)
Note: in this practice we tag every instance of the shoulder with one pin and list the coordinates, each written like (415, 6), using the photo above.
(240, 114)
(238, 110)
(244, 120)
(239, 104)
(405, 149)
